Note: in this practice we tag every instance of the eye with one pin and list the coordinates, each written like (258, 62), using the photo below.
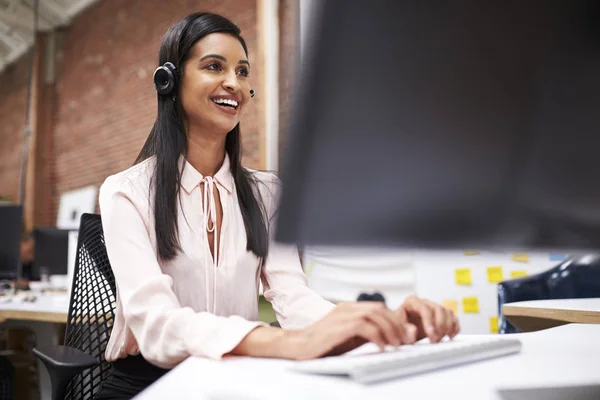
(213, 67)
(244, 72)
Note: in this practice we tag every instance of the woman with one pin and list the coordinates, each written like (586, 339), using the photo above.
(187, 234)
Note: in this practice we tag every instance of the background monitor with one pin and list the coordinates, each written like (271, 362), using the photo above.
(436, 124)
(51, 251)
(11, 225)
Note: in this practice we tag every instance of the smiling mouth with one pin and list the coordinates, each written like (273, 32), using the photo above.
(229, 103)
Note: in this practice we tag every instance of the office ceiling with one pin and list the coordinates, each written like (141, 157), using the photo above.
(16, 23)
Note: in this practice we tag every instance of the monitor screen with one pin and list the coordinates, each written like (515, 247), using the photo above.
(434, 124)
(51, 251)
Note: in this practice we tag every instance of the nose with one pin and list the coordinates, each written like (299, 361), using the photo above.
(231, 83)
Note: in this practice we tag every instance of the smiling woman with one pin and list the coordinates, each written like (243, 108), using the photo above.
(187, 232)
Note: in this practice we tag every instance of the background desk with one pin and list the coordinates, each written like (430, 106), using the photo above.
(535, 315)
(564, 355)
(46, 317)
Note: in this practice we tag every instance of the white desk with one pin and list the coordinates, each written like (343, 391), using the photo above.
(542, 314)
(45, 317)
(46, 307)
(564, 355)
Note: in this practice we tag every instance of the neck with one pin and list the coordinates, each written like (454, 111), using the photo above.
(206, 154)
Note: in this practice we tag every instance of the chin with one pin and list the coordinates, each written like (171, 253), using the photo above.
(225, 127)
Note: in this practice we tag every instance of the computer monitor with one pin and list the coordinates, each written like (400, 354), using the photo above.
(11, 225)
(51, 251)
(447, 124)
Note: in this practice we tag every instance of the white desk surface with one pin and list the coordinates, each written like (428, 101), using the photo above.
(592, 304)
(46, 307)
(56, 303)
(564, 355)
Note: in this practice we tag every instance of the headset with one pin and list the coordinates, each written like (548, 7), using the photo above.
(165, 79)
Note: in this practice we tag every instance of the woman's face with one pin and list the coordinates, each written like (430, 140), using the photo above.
(215, 87)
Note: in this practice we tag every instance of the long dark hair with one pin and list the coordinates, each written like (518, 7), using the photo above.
(168, 141)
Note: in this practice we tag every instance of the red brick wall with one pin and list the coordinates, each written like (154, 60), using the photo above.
(13, 98)
(104, 103)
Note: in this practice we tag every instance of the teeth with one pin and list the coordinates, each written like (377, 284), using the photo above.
(229, 102)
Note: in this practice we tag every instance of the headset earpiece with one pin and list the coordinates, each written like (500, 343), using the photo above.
(252, 92)
(165, 78)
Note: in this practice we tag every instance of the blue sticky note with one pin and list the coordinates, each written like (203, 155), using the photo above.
(556, 257)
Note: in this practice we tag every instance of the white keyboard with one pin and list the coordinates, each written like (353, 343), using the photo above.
(367, 364)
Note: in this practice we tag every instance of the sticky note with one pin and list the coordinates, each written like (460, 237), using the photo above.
(556, 257)
(518, 274)
(495, 274)
(471, 252)
(493, 324)
(463, 276)
(520, 257)
(470, 305)
(451, 305)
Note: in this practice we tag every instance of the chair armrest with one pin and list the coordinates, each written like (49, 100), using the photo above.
(63, 363)
(65, 357)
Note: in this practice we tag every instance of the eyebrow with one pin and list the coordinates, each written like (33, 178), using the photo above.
(218, 57)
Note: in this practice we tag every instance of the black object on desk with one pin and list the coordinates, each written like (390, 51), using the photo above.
(11, 225)
(371, 297)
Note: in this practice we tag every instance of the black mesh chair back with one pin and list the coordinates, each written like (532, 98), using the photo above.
(91, 307)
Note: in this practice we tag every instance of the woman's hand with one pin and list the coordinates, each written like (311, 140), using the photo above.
(346, 327)
(431, 319)
(349, 326)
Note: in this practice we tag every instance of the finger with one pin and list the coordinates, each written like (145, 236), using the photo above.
(443, 318)
(367, 330)
(455, 326)
(387, 325)
(439, 319)
(408, 332)
(416, 305)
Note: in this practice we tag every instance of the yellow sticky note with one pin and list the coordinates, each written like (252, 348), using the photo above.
(520, 257)
(463, 276)
(451, 305)
(494, 324)
(518, 274)
(470, 305)
(495, 274)
(471, 252)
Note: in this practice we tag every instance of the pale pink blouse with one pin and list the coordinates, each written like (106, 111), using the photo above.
(195, 304)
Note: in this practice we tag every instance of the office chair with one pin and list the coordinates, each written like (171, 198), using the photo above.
(78, 368)
(575, 277)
